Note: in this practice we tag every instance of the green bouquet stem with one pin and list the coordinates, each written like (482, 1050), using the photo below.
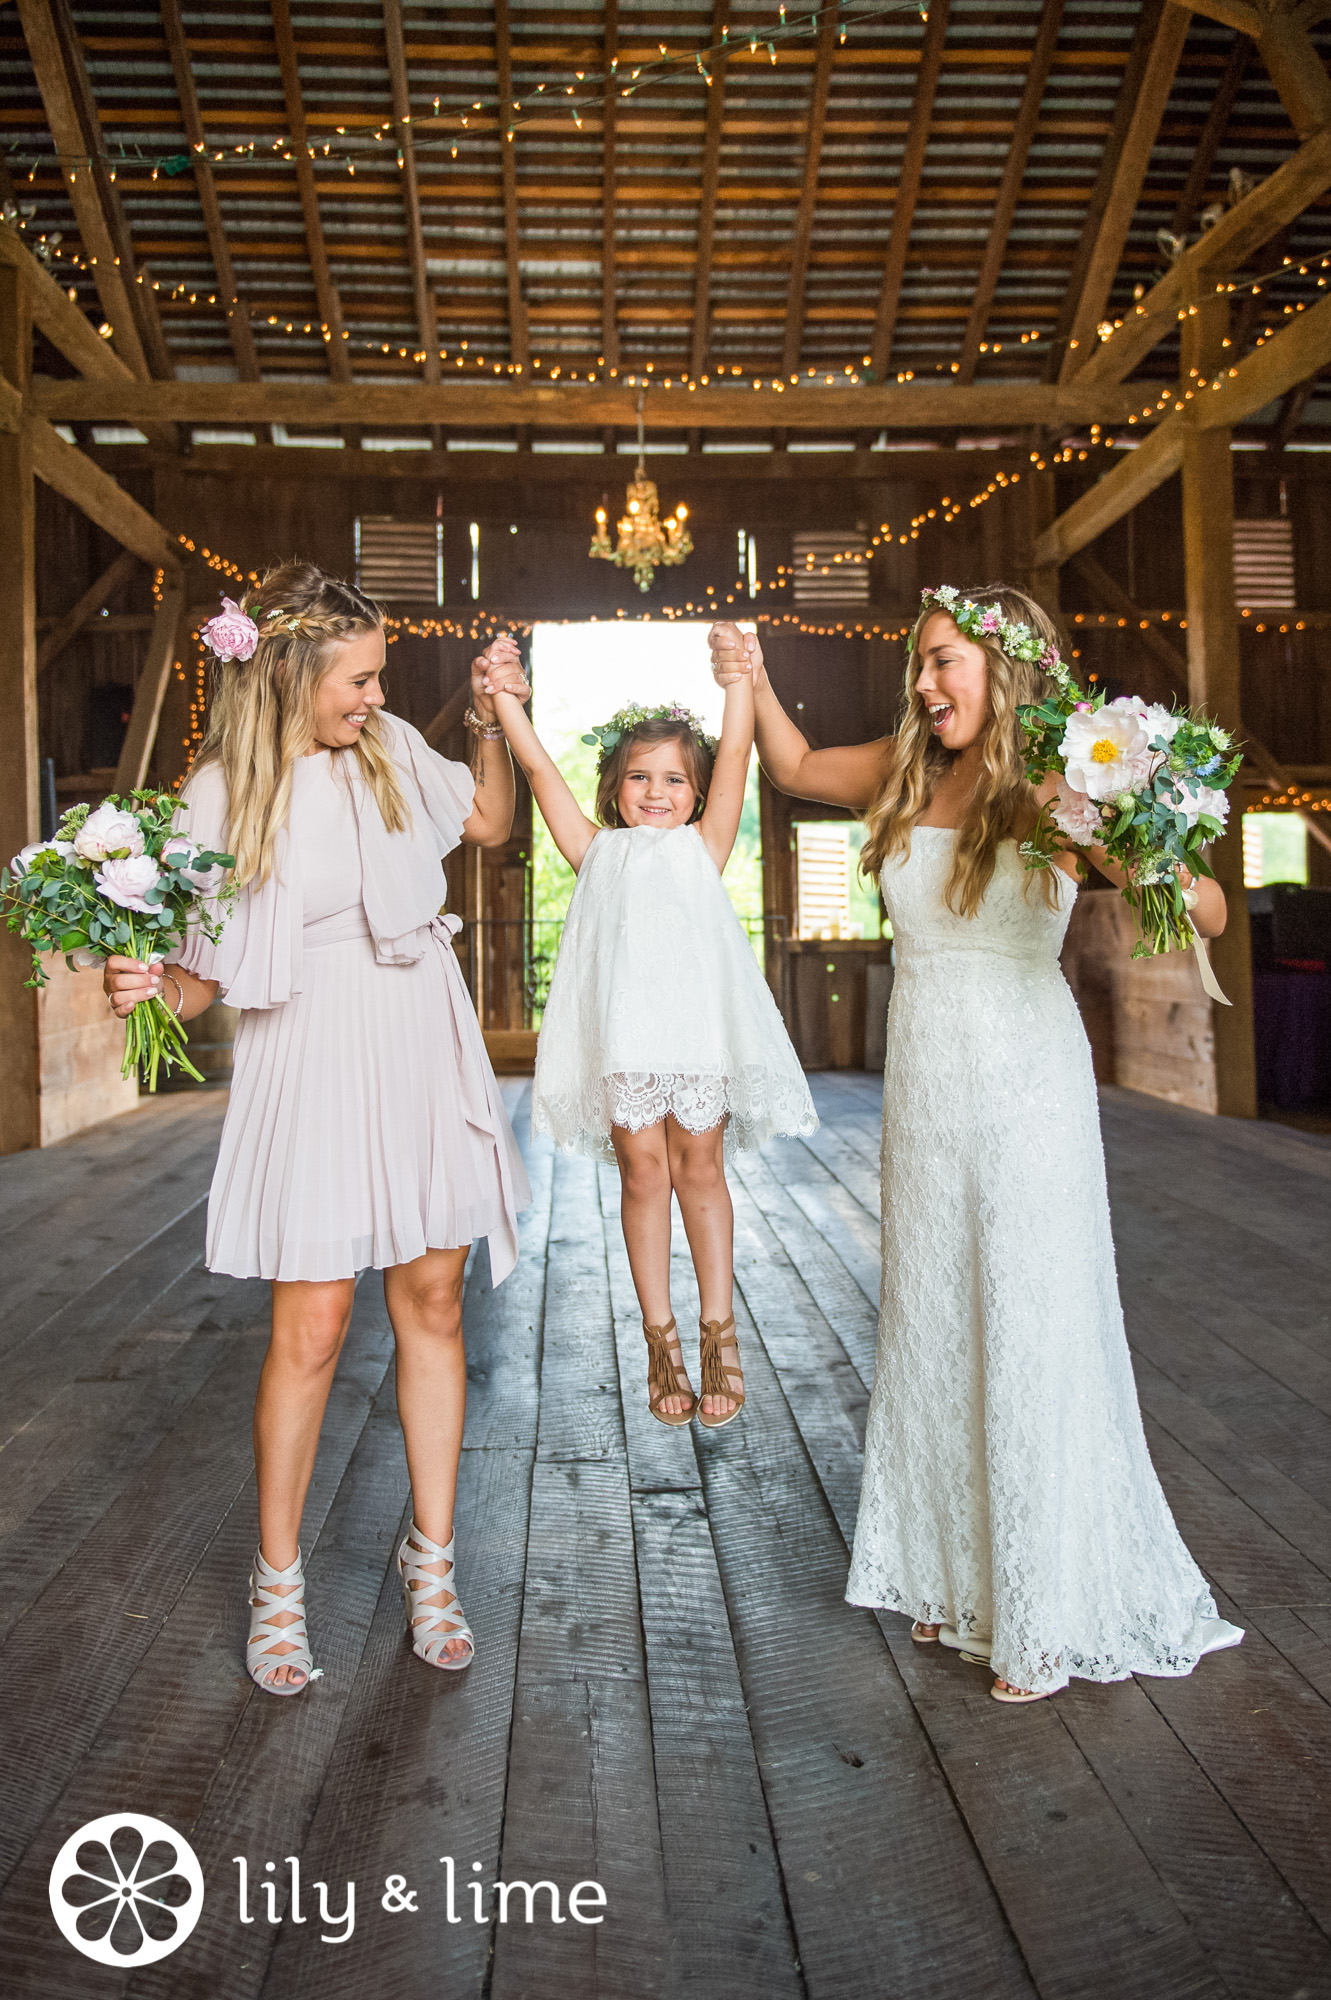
(1162, 918)
(155, 1038)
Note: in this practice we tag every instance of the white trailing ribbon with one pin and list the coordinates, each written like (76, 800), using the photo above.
(1209, 981)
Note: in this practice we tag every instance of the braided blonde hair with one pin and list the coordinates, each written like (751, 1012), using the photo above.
(262, 715)
(1003, 805)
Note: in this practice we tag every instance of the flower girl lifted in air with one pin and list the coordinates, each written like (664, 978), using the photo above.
(661, 1045)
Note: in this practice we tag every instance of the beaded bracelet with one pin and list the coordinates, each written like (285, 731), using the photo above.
(488, 732)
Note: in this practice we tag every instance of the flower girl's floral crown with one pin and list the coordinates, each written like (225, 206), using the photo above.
(625, 721)
(233, 634)
(986, 621)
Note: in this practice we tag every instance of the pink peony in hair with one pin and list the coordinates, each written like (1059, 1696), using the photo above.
(232, 635)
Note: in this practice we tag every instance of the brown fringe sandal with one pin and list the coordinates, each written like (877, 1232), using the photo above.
(719, 1377)
(667, 1375)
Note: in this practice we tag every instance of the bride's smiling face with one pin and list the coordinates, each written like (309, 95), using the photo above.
(952, 682)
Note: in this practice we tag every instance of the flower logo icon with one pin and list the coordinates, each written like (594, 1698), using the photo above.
(126, 1889)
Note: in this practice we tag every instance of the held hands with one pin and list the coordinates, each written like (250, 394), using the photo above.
(126, 982)
(498, 670)
(735, 653)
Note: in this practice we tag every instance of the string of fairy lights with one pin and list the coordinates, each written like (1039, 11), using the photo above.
(483, 626)
(624, 76)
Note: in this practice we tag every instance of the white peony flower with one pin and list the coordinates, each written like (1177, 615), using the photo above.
(1159, 721)
(25, 857)
(182, 854)
(1077, 815)
(107, 832)
(128, 881)
(1105, 751)
(1194, 800)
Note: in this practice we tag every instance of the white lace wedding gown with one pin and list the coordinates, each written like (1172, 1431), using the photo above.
(657, 1005)
(1007, 1485)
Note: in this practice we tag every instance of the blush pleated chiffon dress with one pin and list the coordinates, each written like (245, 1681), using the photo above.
(365, 1125)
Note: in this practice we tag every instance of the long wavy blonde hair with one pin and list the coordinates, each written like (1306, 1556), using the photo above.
(262, 716)
(1002, 806)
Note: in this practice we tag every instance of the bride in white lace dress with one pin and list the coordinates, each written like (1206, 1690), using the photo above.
(1009, 1504)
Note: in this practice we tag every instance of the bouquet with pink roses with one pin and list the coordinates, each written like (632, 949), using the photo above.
(120, 879)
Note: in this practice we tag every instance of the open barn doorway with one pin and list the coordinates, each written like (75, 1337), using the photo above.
(581, 674)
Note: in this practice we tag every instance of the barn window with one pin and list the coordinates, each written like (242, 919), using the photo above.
(1264, 564)
(400, 561)
(830, 568)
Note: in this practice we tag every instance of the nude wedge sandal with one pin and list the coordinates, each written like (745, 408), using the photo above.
(719, 1378)
(431, 1626)
(667, 1375)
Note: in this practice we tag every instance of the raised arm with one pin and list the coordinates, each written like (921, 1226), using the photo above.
(569, 825)
(851, 775)
(725, 795)
(490, 821)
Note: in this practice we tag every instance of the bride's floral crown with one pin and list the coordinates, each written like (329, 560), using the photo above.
(233, 634)
(986, 621)
(626, 721)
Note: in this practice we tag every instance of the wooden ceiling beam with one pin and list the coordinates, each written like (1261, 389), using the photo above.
(813, 158)
(609, 224)
(237, 314)
(62, 117)
(501, 474)
(1005, 206)
(95, 493)
(708, 195)
(59, 318)
(1212, 133)
(479, 403)
(339, 367)
(1142, 129)
(1271, 206)
(519, 342)
(1297, 71)
(908, 185)
(427, 325)
(108, 195)
(1301, 349)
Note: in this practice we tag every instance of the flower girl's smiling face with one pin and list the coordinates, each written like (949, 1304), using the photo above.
(657, 790)
(952, 683)
(349, 692)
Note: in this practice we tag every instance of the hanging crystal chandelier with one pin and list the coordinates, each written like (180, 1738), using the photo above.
(645, 540)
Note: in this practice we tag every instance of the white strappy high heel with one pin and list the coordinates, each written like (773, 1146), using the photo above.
(431, 1626)
(277, 1627)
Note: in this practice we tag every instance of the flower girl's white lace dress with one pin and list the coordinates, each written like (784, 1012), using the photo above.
(1007, 1490)
(657, 1005)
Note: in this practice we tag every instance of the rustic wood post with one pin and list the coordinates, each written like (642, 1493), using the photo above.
(1213, 684)
(20, 1066)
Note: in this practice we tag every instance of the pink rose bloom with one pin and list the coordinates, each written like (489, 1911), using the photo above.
(231, 635)
(182, 854)
(991, 620)
(107, 831)
(1076, 814)
(127, 882)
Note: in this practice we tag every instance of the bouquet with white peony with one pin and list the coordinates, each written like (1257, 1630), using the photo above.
(1145, 783)
(120, 879)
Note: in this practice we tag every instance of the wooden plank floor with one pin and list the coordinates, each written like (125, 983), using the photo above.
(779, 1794)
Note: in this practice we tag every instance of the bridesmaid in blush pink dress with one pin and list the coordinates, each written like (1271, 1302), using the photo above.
(365, 1127)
